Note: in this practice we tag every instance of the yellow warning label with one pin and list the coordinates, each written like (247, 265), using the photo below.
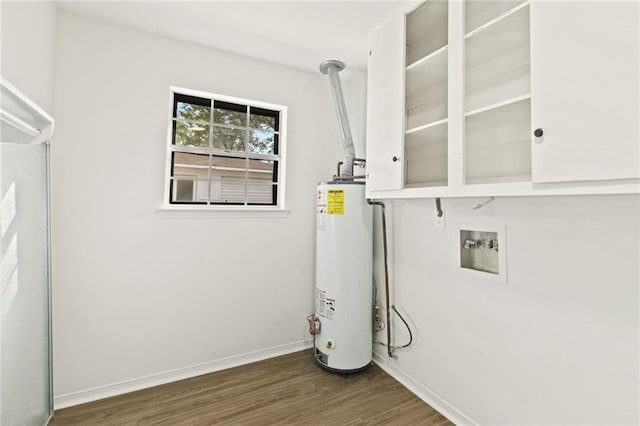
(335, 201)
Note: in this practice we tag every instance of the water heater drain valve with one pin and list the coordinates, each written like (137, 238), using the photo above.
(314, 325)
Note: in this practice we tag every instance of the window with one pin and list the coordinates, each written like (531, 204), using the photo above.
(224, 151)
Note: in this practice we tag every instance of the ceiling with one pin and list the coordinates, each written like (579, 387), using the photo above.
(299, 33)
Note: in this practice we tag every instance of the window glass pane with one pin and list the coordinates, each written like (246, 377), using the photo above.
(227, 189)
(191, 108)
(183, 190)
(191, 165)
(261, 191)
(262, 142)
(193, 112)
(229, 139)
(228, 164)
(262, 182)
(261, 169)
(264, 119)
(189, 190)
(228, 113)
(190, 134)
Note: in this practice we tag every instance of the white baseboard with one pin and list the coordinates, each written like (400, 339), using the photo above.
(453, 414)
(106, 391)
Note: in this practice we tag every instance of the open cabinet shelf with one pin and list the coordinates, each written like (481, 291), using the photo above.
(426, 90)
(483, 15)
(497, 105)
(498, 144)
(428, 71)
(497, 136)
(426, 95)
(497, 60)
(426, 156)
(427, 29)
(427, 126)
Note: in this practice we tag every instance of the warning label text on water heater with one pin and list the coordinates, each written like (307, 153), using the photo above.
(335, 201)
(325, 306)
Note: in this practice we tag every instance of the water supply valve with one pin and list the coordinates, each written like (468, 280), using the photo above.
(314, 325)
(472, 244)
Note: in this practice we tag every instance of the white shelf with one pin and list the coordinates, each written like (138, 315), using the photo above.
(426, 90)
(498, 142)
(426, 29)
(508, 123)
(497, 79)
(499, 21)
(422, 64)
(497, 38)
(427, 142)
(429, 111)
(425, 127)
(497, 59)
(427, 184)
(426, 151)
(498, 179)
(499, 105)
(479, 12)
(428, 72)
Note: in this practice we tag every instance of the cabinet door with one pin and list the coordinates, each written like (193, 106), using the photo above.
(584, 64)
(385, 105)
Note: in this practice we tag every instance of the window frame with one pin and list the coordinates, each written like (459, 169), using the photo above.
(278, 159)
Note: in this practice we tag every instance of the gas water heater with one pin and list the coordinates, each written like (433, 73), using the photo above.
(343, 292)
(342, 323)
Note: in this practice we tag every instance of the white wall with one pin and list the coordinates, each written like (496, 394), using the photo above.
(557, 345)
(129, 300)
(28, 36)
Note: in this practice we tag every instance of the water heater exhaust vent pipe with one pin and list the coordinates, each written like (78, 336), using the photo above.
(332, 68)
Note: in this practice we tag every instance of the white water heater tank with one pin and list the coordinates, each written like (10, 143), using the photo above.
(344, 281)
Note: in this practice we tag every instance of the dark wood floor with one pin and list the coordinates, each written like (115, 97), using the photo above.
(289, 389)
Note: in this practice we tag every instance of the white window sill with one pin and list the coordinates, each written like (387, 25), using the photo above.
(219, 212)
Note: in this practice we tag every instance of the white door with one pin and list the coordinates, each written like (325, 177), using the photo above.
(25, 387)
(584, 84)
(385, 105)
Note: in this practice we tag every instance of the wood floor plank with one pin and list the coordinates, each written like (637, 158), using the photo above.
(287, 390)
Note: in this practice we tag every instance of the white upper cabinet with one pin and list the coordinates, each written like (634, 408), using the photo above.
(498, 97)
(585, 85)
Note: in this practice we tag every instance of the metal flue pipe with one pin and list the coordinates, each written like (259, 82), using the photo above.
(332, 68)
